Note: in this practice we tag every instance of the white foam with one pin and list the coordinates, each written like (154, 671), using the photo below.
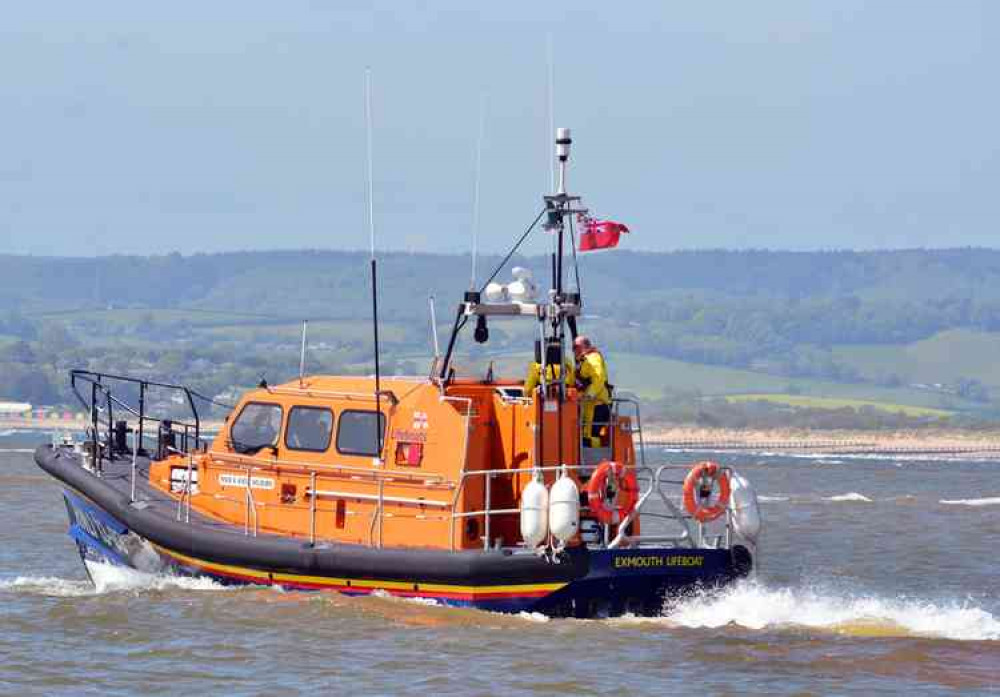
(533, 616)
(771, 499)
(111, 579)
(47, 585)
(755, 606)
(849, 496)
(993, 501)
(106, 579)
(417, 600)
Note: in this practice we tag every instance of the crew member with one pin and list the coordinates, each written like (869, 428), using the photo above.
(592, 381)
(552, 371)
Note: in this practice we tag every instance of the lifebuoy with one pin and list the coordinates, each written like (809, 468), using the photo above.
(698, 487)
(612, 490)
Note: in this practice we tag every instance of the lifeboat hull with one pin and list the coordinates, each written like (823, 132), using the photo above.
(156, 537)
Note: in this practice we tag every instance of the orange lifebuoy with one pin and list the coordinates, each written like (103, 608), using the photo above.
(703, 477)
(612, 489)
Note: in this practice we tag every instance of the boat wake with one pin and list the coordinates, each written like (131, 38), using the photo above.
(992, 501)
(851, 496)
(106, 579)
(47, 585)
(755, 606)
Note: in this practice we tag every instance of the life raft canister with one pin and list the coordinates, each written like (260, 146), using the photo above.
(698, 487)
(612, 492)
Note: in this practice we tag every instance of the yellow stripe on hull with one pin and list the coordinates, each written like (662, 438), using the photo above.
(409, 587)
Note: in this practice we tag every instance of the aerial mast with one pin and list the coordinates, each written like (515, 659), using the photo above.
(560, 307)
(373, 264)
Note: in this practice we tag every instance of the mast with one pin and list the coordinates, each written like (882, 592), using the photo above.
(559, 308)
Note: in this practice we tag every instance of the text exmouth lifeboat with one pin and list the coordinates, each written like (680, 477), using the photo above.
(499, 494)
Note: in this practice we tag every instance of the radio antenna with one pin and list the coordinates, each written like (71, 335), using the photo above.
(552, 111)
(475, 196)
(434, 329)
(302, 356)
(374, 268)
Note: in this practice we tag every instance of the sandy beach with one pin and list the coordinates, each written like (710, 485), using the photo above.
(936, 441)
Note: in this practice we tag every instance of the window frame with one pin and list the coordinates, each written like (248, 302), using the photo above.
(329, 434)
(256, 449)
(382, 422)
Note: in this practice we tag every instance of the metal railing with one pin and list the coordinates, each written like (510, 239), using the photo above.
(251, 507)
(656, 483)
(103, 402)
(184, 502)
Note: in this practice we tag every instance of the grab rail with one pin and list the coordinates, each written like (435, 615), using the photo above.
(251, 508)
(99, 386)
(692, 532)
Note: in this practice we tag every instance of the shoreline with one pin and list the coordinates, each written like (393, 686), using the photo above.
(906, 442)
(985, 444)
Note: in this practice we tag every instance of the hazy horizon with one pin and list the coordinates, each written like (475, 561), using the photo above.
(791, 126)
(459, 253)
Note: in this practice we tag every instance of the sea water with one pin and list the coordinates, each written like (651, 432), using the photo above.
(876, 576)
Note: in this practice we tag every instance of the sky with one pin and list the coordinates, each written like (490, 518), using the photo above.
(151, 128)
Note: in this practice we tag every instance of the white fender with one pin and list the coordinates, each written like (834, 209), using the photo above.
(534, 512)
(746, 511)
(564, 508)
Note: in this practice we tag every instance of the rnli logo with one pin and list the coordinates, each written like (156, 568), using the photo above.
(419, 420)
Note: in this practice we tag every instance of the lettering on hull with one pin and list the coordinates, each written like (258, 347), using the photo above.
(240, 480)
(652, 561)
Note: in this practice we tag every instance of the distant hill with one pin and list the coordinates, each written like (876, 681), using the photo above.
(322, 278)
(887, 319)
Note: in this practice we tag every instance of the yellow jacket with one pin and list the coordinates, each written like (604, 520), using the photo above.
(593, 372)
(534, 378)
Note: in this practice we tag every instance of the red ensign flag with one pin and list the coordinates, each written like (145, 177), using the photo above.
(599, 234)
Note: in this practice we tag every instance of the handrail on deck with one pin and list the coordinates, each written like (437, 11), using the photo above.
(101, 385)
(692, 532)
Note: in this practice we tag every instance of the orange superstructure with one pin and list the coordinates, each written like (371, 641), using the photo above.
(444, 453)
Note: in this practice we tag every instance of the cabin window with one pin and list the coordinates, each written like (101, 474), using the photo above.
(309, 428)
(356, 433)
(256, 427)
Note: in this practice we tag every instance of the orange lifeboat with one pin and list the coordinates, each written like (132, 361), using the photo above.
(413, 486)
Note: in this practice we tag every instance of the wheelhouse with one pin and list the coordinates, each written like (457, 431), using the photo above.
(425, 466)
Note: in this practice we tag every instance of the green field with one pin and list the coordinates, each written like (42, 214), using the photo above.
(648, 376)
(944, 358)
(332, 331)
(837, 403)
